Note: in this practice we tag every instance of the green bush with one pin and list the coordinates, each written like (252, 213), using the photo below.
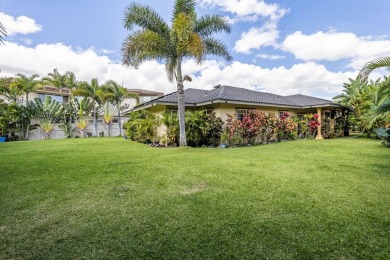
(142, 126)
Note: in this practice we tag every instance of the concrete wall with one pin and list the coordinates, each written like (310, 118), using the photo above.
(58, 133)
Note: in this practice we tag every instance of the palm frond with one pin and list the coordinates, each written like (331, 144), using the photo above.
(146, 18)
(142, 46)
(217, 48)
(184, 7)
(170, 65)
(384, 107)
(209, 24)
(374, 64)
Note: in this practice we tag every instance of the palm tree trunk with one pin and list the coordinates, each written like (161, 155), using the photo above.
(119, 121)
(181, 104)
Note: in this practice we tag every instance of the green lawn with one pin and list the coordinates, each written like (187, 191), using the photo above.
(112, 198)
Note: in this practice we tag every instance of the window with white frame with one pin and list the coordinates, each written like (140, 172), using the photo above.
(241, 113)
(209, 111)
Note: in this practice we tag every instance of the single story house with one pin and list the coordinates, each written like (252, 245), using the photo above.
(233, 100)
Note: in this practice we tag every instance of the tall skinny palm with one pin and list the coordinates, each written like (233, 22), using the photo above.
(27, 84)
(119, 95)
(187, 37)
(92, 91)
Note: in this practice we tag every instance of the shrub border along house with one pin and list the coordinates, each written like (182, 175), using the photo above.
(256, 117)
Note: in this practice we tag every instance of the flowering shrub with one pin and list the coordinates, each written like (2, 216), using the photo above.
(255, 128)
(308, 126)
(287, 127)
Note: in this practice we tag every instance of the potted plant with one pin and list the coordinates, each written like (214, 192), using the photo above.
(3, 131)
(224, 139)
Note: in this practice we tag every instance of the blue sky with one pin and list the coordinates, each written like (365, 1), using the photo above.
(283, 47)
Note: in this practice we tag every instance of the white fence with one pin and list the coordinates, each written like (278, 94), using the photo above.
(58, 133)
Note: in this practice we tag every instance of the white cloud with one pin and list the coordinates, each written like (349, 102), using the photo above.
(333, 46)
(27, 41)
(306, 78)
(243, 8)
(256, 38)
(270, 57)
(19, 25)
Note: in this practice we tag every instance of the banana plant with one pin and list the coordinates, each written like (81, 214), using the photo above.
(47, 113)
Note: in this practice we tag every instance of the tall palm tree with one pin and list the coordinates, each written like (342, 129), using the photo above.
(27, 84)
(92, 91)
(60, 81)
(374, 64)
(9, 91)
(187, 37)
(3, 33)
(120, 94)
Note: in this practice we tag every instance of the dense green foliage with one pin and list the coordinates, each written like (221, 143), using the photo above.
(142, 126)
(369, 101)
(116, 199)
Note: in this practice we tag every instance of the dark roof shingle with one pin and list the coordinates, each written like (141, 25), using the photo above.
(198, 96)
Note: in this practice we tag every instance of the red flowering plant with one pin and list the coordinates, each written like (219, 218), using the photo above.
(313, 125)
(308, 126)
(233, 130)
(286, 127)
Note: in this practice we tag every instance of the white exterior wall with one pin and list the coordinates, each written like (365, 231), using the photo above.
(58, 133)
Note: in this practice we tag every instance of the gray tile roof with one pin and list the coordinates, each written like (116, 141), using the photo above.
(234, 94)
(303, 100)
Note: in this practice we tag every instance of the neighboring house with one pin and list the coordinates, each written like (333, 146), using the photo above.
(56, 94)
(232, 100)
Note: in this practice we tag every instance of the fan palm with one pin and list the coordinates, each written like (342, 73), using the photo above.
(187, 37)
(119, 95)
(92, 91)
(83, 110)
(47, 113)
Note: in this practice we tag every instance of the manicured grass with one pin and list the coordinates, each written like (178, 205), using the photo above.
(112, 198)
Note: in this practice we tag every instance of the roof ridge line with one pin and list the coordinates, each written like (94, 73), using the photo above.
(221, 91)
(310, 97)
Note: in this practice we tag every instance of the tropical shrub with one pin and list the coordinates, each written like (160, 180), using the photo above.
(171, 123)
(256, 127)
(384, 134)
(287, 127)
(142, 126)
(308, 126)
(201, 128)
